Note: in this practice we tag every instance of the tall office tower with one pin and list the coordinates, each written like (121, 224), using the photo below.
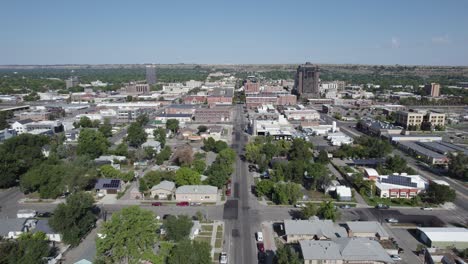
(433, 89)
(151, 74)
(306, 83)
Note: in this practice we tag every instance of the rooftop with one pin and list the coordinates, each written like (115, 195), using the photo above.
(320, 228)
(367, 227)
(107, 184)
(445, 234)
(165, 185)
(11, 224)
(349, 249)
(197, 189)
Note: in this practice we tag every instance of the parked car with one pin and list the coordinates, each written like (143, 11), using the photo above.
(228, 192)
(382, 206)
(300, 205)
(261, 247)
(259, 236)
(195, 204)
(395, 257)
(223, 259)
(392, 220)
(426, 208)
(346, 206)
(156, 204)
(45, 214)
(182, 204)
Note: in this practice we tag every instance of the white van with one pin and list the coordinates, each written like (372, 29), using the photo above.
(259, 236)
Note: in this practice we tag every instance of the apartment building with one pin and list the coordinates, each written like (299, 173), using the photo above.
(408, 118)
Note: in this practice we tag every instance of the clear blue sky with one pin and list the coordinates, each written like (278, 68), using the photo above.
(234, 31)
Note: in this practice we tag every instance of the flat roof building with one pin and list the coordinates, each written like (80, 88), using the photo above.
(443, 237)
(306, 83)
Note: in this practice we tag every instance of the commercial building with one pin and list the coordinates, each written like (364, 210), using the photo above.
(378, 128)
(54, 126)
(435, 152)
(251, 86)
(134, 88)
(182, 118)
(257, 100)
(213, 115)
(195, 99)
(176, 89)
(433, 89)
(297, 230)
(151, 74)
(181, 109)
(219, 100)
(344, 251)
(415, 119)
(367, 229)
(306, 82)
(300, 113)
(20, 126)
(197, 193)
(443, 237)
(399, 185)
(35, 115)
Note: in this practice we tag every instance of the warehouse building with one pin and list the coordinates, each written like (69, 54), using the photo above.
(443, 237)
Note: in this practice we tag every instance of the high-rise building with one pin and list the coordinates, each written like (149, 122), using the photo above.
(432, 89)
(72, 82)
(306, 83)
(151, 74)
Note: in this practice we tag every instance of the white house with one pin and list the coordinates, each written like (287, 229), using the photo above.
(163, 190)
(20, 126)
(150, 143)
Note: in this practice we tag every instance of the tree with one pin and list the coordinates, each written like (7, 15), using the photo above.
(85, 122)
(106, 128)
(426, 126)
(264, 188)
(323, 157)
(130, 233)
(142, 120)
(308, 211)
(286, 193)
(121, 149)
(33, 96)
(172, 125)
(177, 227)
(190, 252)
(107, 171)
(327, 210)
(164, 155)
(136, 135)
(18, 155)
(209, 144)
(28, 248)
(286, 255)
(75, 218)
(439, 194)
(199, 166)
(4, 116)
(252, 152)
(160, 136)
(183, 155)
(458, 166)
(92, 143)
(202, 129)
(300, 150)
(220, 145)
(187, 176)
(396, 164)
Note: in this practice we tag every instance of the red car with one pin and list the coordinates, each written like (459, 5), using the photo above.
(228, 192)
(156, 204)
(182, 204)
(261, 247)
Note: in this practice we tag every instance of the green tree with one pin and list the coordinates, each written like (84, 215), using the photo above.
(136, 135)
(75, 218)
(164, 155)
(29, 248)
(130, 233)
(209, 144)
(177, 227)
(142, 120)
(286, 255)
(33, 96)
(172, 125)
(323, 157)
(264, 188)
(199, 165)
(121, 149)
(426, 126)
(106, 128)
(219, 146)
(327, 210)
(85, 122)
(92, 143)
(286, 193)
(458, 166)
(439, 194)
(308, 211)
(300, 150)
(160, 136)
(252, 152)
(107, 171)
(4, 116)
(202, 129)
(187, 176)
(190, 252)
(18, 155)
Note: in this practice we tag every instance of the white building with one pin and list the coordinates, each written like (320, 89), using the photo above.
(400, 185)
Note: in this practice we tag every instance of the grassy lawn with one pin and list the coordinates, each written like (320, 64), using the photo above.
(218, 243)
(205, 228)
(207, 233)
(316, 195)
(206, 239)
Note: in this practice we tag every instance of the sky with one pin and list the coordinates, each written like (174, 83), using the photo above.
(415, 32)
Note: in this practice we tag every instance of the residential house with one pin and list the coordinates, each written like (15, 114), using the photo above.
(344, 250)
(108, 186)
(164, 190)
(297, 230)
(153, 144)
(197, 193)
